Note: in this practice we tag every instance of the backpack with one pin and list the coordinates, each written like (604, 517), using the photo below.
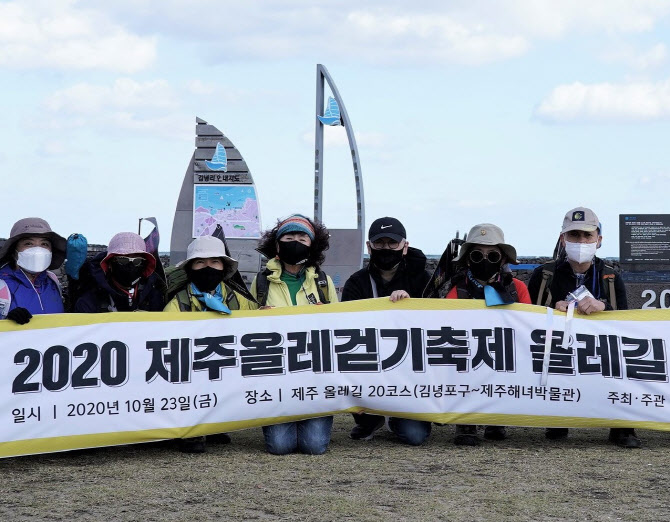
(607, 275)
(262, 286)
(177, 282)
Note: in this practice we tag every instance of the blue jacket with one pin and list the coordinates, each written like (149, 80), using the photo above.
(41, 297)
(98, 295)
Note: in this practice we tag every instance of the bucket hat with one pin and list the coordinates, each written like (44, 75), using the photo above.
(490, 235)
(34, 226)
(126, 244)
(204, 247)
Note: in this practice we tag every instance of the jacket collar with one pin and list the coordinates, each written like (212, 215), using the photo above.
(274, 265)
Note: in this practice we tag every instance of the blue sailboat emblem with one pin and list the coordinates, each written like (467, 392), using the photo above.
(219, 160)
(332, 115)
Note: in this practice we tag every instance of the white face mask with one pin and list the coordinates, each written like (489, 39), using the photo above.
(580, 252)
(34, 259)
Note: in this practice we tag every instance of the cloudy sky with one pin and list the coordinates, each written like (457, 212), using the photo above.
(465, 111)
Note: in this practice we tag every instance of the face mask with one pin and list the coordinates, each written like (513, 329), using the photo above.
(34, 259)
(384, 258)
(580, 252)
(485, 270)
(206, 279)
(293, 252)
(126, 275)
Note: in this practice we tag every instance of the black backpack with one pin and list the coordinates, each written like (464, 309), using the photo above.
(607, 276)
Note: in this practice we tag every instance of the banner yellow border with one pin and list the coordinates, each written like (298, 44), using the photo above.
(367, 305)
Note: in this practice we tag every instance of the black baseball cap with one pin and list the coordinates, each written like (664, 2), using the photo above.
(386, 227)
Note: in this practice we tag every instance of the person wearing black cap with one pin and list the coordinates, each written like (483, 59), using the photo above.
(396, 271)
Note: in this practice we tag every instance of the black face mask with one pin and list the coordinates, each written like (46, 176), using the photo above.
(206, 279)
(384, 258)
(485, 270)
(126, 275)
(293, 252)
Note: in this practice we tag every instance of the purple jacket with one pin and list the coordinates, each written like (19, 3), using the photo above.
(40, 297)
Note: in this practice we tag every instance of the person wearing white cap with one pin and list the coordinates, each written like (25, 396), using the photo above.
(575, 266)
(207, 268)
(123, 279)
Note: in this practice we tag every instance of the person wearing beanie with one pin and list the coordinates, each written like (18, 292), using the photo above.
(295, 250)
(122, 279)
(577, 265)
(207, 269)
(26, 259)
(395, 271)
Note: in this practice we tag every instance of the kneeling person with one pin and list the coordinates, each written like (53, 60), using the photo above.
(207, 268)
(397, 271)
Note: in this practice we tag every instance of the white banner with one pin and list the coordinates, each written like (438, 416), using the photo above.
(75, 381)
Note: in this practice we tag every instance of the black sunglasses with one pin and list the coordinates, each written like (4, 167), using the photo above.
(124, 260)
(477, 256)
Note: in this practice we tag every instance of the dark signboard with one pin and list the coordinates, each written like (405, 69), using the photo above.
(644, 238)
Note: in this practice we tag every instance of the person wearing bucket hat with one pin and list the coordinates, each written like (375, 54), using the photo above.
(295, 250)
(576, 265)
(207, 268)
(482, 266)
(122, 279)
(25, 260)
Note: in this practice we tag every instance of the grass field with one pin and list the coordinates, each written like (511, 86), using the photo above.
(522, 478)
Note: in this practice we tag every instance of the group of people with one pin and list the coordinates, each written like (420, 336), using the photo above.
(124, 278)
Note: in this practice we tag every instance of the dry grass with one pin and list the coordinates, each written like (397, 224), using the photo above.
(522, 478)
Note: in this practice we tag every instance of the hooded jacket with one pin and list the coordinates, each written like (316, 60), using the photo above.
(411, 276)
(279, 295)
(40, 297)
(99, 295)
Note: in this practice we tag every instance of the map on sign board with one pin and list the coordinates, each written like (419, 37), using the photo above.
(234, 207)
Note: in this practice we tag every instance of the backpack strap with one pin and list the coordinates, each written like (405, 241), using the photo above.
(184, 300)
(548, 270)
(231, 299)
(262, 286)
(608, 276)
(321, 283)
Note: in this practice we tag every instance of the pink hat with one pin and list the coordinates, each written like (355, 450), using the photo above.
(125, 244)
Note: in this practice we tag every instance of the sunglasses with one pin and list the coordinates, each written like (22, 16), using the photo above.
(477, 256)
(391, 243)
(125, 261)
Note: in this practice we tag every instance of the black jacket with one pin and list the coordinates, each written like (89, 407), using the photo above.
(564, 281)
(411, 276)
(96, 293)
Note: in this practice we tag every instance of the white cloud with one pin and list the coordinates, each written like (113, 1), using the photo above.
(641, 60)
(59, 34)
(125, 93)
(151, 106)
(386, 31)
(603, 102)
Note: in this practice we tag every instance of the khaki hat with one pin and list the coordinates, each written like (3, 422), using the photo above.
(204, 247)
(580, 218)
(490, 235)
(32, 226)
